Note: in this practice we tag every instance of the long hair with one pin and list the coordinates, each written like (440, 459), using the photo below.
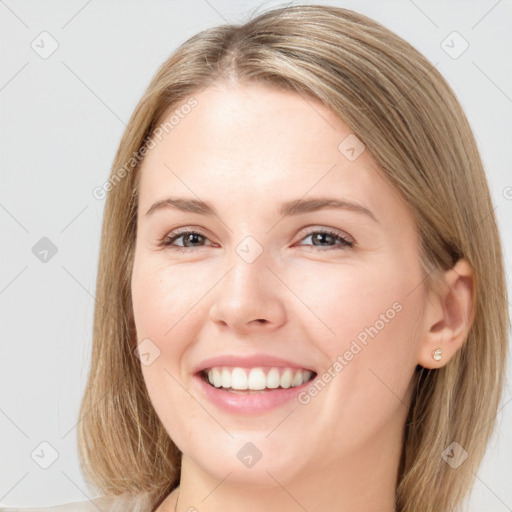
(397, 103)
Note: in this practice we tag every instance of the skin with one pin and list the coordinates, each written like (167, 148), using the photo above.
(246, 149)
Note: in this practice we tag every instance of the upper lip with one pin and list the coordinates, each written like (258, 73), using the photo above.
(250, 361)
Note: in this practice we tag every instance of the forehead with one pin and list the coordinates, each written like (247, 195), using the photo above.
(254, 143)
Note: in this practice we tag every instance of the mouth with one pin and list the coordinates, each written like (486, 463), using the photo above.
(250, 384)
(255, 380)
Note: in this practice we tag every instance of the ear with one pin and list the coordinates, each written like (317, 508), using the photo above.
(448, 316)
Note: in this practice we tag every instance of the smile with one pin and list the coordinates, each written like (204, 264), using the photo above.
(262, 379)
(251, 390)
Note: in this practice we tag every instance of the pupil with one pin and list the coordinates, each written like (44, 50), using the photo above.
(191, 235)
(319, 236)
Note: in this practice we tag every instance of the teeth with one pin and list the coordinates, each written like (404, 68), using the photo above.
(238, 379)
(286, 378)
(226, 378)
(297, 380)
(256, 379)
(273, 378)
(216, 378)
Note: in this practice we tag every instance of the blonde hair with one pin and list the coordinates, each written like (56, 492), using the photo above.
(397, 103)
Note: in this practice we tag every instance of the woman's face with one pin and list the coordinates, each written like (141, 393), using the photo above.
(261, 293)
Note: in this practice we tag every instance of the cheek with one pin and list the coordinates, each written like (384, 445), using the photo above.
(375, 318)
(162, 305)
(168, 315)
(162, 295)
(364, 320)
(157, 308)
(344, 302)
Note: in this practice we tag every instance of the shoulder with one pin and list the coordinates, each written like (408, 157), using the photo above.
(137, 503)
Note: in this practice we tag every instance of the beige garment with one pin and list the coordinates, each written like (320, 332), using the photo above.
(123, 503)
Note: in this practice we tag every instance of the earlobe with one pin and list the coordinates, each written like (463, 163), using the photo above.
(448, 317)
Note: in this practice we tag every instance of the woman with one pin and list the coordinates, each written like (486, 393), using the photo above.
(301, 295)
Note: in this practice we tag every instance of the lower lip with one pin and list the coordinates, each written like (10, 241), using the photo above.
(247, 402)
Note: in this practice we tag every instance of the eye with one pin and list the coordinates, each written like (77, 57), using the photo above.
(189, 236)
(194, 237)
(327, 235)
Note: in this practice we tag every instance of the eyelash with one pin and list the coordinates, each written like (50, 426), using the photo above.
(175, 235)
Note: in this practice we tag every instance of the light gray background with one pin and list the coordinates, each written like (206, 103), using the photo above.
(62, 119)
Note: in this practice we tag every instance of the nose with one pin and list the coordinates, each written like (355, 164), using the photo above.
(249, 297)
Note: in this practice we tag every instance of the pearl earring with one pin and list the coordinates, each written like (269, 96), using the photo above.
(437, 354)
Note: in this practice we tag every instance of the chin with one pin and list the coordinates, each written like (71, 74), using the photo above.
(247, 457)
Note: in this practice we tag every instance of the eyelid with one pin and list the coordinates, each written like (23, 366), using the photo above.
(179, 232)
(313, 228)
(347, 242)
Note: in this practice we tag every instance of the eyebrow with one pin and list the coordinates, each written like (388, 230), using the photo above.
(294, 207)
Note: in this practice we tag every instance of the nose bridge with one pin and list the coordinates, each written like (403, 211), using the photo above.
(248, 262)
(249, 293)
